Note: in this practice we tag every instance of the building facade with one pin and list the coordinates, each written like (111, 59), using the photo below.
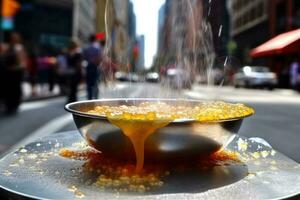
(254, 22)
(249, 27)
(45, 26)
(185, 37)
(141, 53)
(100, 16)
(120, 30)
(84, 19)
(218, 17)
(131, 22)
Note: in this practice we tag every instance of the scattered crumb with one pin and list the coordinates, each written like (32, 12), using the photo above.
(7, 173)
(264, 154)
(21, 161)
(32, 156)
(77, 193)
(273, 152)
(23, 150)
(72, 188)
(242, 145)
(273, 167)
(251, 175)
(256, 155)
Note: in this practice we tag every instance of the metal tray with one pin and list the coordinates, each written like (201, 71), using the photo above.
(36, 171)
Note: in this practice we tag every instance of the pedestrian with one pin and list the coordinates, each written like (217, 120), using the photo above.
(295, 74)
(51, 60)
(74, 74)
(42, 71)
(32, 72)
(2, 75)
(92, 54)
(14, 64)
(62, 67)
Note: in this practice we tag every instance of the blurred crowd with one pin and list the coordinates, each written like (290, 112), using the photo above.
(71, 67)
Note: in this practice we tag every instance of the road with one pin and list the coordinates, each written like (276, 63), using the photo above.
(277, 117)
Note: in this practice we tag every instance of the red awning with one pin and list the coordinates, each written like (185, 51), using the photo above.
(285, 43)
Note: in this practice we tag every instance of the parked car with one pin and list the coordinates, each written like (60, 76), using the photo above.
(130, 77)
(255, 77)
(152, 77)
(121, 76)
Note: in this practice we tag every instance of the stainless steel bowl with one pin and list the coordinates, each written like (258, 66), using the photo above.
(178, 141)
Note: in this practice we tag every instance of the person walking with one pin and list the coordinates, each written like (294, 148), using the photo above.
(2, 75)
(62, 67)
(295, 75)
(32, 72)
(14, 64)
(92, 54)
(74, 74)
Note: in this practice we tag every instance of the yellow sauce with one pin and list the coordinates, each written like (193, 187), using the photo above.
(121, 177)
(138, 131)
(139, 122)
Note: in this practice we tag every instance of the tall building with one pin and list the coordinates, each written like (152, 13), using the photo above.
(161, 21)
(131, 22)
(117, 20)
(121, 33)
(105, 18)
(185, 37)
(100, 16)
(218, 17)
(254, 22)
(84, 18)
(141, 53)
(249, 26)
(47, 26)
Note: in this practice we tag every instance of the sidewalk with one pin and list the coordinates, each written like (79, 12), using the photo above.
(231, 94)
(41, 93)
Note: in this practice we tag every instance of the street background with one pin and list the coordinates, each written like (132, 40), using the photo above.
(275, 120)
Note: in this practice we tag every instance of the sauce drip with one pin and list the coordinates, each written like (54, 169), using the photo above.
(138, 131)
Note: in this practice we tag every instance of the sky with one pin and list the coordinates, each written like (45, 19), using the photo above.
(146, 12)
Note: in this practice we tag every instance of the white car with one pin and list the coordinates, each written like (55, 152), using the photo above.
(179, 78)
(255, 77)
(152, 77)
(121, 76)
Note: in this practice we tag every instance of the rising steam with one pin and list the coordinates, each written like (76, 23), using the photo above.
(186, 45)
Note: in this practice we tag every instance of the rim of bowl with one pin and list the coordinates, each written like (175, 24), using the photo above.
(85, 114)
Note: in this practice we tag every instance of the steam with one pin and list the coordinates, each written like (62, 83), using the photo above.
(189, 41)
(220, 31)
(187, 45)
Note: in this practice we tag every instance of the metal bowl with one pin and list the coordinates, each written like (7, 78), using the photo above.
(178, 141)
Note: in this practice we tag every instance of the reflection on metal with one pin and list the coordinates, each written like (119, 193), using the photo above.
(182, 140)
(48, 176)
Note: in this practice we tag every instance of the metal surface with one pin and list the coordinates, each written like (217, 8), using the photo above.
(180, 140)
(36, 171)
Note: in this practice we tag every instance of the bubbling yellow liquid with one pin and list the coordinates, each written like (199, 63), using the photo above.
(138, 122)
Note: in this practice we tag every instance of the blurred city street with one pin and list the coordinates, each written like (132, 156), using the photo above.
(275, 120)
